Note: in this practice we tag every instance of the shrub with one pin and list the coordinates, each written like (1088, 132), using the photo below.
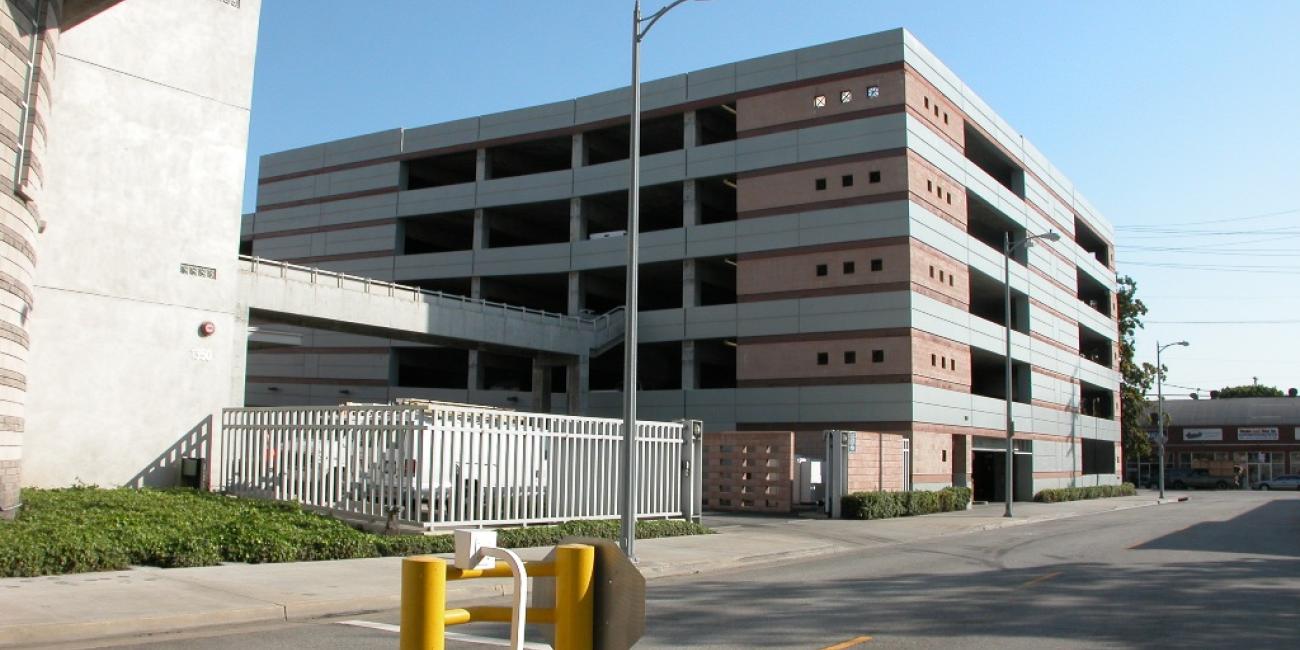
(90, 529)
(1057, 495)
(885, 505)
(954, 498)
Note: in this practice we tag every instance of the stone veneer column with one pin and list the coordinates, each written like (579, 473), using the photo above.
(30, 61)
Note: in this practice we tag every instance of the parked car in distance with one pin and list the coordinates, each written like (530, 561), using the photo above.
(1171, 474)
(1284, 482)
(1201, 478)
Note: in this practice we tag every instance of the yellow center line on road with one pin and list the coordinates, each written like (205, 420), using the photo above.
(1044, 578)
(857, 640)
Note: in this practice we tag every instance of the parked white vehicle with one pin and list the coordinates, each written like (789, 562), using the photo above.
(1284, 482)
(488, 470)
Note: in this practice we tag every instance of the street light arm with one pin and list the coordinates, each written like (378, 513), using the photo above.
(1049, 236)
(1170, 345)
(654, 18)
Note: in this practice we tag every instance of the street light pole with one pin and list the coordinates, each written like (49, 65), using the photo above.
(1009, 247)
(1011, 425)
(627, 460)
(1160, 411)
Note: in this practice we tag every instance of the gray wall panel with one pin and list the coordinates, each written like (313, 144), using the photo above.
(661, 93)
(456, 264)
(522, 260)
(292, 161)
(606, 105)
(660, 325)
(436, 136)
(851, 54)
(711, 82)
(717, 159)
(599, 253)
(549, 186)
(363, 147)
(712, 321)
(432, 200)
(711, 239)
(366, 208)
(545, 117)
(767, 71)
(371, 177)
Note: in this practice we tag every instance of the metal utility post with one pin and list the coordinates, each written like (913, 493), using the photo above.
(1011, 425)
(627, 464)
(1009, 247)
(627, 475)
(1160, 411)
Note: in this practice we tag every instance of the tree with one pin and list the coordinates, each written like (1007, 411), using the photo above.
(1248, 390)
(1135, 378)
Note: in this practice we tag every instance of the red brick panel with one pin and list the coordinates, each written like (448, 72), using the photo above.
(797, 105)
(876, 463)
(749, 471)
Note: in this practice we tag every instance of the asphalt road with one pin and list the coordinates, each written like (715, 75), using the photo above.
(1220, 571)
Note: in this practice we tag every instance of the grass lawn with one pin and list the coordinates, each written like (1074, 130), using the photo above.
(82, 529)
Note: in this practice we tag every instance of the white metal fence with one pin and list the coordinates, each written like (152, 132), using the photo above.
(443, 465)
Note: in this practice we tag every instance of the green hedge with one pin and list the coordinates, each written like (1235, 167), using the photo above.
(91, 529)
(1057, 495)
(884, 505)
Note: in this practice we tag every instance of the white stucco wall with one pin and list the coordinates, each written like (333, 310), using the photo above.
(145, 173)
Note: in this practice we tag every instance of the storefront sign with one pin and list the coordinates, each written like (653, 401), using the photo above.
(1198, 435)
(1257, 433)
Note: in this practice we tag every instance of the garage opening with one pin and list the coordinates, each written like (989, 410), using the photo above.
(989, 470)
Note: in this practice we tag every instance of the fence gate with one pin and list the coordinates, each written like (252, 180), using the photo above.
(441, 465)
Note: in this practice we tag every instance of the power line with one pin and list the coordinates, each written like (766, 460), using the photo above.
(1209, 221)
(1280, 321)
(1221, 268)
(1178, 233)
(1218, 298)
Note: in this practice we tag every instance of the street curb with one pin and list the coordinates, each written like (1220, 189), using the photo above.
(761, 559)
(48, 633)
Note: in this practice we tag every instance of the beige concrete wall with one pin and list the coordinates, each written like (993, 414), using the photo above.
(144, 174)
(796, 104)
(932, 460)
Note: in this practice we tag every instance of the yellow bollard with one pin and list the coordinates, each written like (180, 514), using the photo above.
(575, 596)
(424, 603)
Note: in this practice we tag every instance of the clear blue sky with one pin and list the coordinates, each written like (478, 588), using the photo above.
(1164, 114)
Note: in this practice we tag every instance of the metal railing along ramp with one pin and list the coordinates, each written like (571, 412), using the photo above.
(319, 297)
(442, 465)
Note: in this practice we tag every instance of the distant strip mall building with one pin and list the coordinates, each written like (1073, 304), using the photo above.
(822, 249)
(1255, 434)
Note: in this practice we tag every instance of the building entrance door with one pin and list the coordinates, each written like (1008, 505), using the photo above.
(1259, 468)
(988, 470)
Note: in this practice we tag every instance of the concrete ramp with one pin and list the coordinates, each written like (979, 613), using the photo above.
(317, 298)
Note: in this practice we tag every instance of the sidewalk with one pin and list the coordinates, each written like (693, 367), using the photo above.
(148, 600)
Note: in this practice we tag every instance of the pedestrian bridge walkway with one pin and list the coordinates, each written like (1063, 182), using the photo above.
(314, 297)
